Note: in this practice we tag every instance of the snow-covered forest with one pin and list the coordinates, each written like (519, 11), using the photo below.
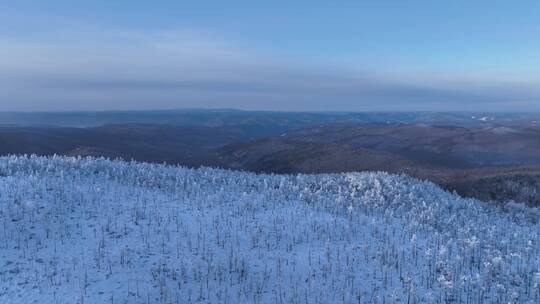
(89, 230)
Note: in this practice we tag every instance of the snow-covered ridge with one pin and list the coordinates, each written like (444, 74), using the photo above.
(97, 231)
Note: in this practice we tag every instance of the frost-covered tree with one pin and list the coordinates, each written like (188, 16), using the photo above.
(87, 230)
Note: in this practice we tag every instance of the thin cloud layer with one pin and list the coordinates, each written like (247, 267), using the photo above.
(154, 70)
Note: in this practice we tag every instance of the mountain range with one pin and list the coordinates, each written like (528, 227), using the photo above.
(489, 156)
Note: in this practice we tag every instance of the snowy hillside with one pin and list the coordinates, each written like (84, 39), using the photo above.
(100, 231)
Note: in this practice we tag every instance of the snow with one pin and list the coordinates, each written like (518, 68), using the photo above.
(84, 230)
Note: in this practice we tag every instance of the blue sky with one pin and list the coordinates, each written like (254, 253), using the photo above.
(273, 55)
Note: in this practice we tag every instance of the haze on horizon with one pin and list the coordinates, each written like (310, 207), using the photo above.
(292, 56)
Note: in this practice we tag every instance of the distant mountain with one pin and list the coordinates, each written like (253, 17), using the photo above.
(389, 147)
(283, 156)
(318, 148)
(461, 158)
(186, 145)
(267, 119)
(490, 163)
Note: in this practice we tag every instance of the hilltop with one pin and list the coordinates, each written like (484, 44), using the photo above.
(87, 230)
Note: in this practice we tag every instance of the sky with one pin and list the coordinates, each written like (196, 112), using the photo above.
(270, 55)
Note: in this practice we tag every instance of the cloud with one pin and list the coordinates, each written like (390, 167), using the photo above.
(150, 70)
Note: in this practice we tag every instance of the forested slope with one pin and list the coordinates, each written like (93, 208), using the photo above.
(89, 230)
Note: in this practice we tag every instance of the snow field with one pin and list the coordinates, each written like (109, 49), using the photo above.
(85, 230)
